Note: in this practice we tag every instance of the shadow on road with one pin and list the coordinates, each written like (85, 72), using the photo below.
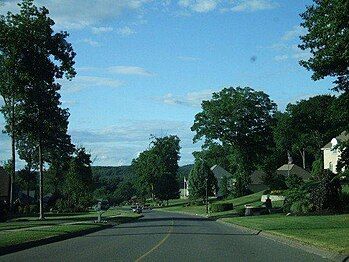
(172, 233)
(119, 226)
(172, 219)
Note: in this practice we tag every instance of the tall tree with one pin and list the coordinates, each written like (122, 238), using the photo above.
(157, 168)
(79, 181)
(241, 119)
(327, 40)
(167, 150)
(44, 57)
(27, 179)
(11, 84)
(306, 126)
(200, 179)
(144, 166)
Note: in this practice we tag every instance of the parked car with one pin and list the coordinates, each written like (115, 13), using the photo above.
(137, 209)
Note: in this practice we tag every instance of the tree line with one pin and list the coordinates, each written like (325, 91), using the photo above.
(32, 58)
(243, 131)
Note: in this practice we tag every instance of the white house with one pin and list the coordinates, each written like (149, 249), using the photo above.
(332, 153)
(185, 188)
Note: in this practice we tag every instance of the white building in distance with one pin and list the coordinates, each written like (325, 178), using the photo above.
(332, 153)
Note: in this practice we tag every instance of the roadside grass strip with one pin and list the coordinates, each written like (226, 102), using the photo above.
(328, 232)
(11, 238)
(30, 230)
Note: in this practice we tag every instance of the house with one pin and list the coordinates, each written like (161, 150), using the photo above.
(257, 183)
(184, 188)
(4, 185)
(293, 169)
(332, 153)
(219, 172)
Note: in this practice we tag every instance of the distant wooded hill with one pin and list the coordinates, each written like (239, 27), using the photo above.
(112, 171)
(126, 171)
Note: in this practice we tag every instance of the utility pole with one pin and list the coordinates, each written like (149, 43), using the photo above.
(206, 179)
(206, 195)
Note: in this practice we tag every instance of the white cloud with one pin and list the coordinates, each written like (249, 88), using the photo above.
(200, 6)
(125, 31)
(129, 70)
(254, 5)
(79, 14)
(91, 42)
(69, 103)
(101, 30)
(288, 45)
(116, 145)
(84, 82)
(295, 32)
(193, 99)
(281, 57)
(299, 53)
(188, 58)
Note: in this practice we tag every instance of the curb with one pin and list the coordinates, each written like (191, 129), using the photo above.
(49, 240)
(291, 242)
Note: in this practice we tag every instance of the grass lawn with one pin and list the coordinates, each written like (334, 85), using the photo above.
(179, 205)
(328, 232)
(22, 230)
(10, 238)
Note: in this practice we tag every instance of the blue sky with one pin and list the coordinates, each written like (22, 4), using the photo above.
(144, 66)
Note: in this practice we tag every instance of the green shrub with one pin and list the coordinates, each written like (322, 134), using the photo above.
(325, 193)
(33, 209)
(293, 196)
(240, 211)
(220, 207)
(294, 181)
(301, 207)
(345, 201)
(26, 210)
(276, 192)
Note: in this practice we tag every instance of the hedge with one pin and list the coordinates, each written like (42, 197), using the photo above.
(220, 207)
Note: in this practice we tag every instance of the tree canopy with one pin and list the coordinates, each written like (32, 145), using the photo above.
(157, 168)
(239, 117)
(327, 40)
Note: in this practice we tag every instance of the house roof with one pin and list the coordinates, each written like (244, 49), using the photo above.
(344, 136)
(257, 177)
(219, 171)
(293, 169)
(4, 183)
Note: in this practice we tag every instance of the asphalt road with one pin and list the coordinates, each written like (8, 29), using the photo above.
(161, 236)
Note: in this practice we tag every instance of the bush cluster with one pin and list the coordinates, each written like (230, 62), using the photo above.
(220, 207)
(322, 195)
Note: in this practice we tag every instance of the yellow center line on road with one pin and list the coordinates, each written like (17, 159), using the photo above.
(158, 244)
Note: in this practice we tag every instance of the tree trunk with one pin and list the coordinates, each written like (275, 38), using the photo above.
(152, 192)
(13, 148)
(41, 186)
(28, 189)
(302, 152)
